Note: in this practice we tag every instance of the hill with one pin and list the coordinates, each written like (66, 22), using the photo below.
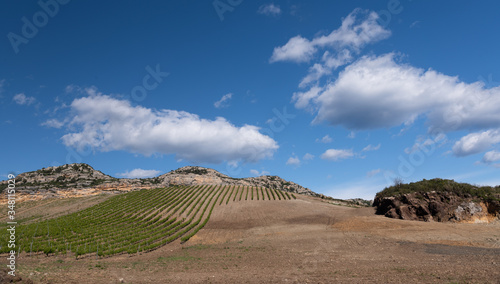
(82, 179)
(193, 175)
(302, 240)
(439, 200)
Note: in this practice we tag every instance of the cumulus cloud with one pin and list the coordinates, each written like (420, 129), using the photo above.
(358, 29)
(294, 161)
(427, 144)
(303, 99)
(328, 63)
(337, 154)
(491, 156)
(308, 157)
(53, 123)
(371, 148)
(325, 139)
(378, 92)
(297, 49)
(107, 124)
(223, 101)
(22, 99)
(139, 173)
(269, 10)
(477, 142)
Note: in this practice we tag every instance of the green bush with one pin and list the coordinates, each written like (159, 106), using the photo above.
(442, 185)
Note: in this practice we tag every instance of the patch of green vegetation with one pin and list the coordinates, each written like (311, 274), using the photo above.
(101, 266)
(442, 185)
(196, 171)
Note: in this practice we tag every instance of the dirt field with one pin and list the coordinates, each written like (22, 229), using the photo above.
(296, 241)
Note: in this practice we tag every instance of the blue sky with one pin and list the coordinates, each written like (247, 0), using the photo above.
(340, 97)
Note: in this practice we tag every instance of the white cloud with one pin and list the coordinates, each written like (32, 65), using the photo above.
(351, 135)
(22, 99)
(257, 173)
(427, 144)
(139, 173)
(328, 63)
(223, 101)
(373, 173)
(308, 157)
(337, 154)
(106, 124)
(303, 99)
(378, 92)
(477, 142)
(297, 49)
(53, 123)
(357, 29)
(325, 139)
(371, 148)
(293, 161)
(491, 156)
(269, 10)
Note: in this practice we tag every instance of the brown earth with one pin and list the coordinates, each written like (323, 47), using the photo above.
(296, 241)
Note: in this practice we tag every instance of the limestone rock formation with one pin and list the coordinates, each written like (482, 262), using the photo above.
(77, 177)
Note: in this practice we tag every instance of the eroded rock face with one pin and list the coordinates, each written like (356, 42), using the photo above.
(437, 206)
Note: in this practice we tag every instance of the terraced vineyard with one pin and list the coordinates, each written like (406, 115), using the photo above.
(133, 222)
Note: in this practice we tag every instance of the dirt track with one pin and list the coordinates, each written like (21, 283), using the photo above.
(297, 241)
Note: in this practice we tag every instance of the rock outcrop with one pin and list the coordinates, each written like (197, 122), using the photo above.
(438, 206)
(79, 178)
(192, 175)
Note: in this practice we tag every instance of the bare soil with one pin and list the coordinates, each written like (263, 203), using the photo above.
(296, 241)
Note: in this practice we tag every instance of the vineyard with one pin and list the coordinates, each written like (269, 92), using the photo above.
(133, 222)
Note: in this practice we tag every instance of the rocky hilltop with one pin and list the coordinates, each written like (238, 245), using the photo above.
(439, 200)
(192, 175)
(82, 179)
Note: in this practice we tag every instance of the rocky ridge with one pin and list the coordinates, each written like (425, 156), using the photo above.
(193, 175)
(82, 179)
